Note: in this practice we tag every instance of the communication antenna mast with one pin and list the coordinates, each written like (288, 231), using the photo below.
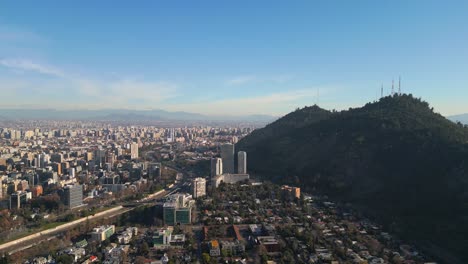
(381, 91)
(393, 86)
(399, 85)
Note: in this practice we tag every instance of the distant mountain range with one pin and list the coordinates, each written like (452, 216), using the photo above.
(395, 159)
(463, 118)
(122, 115)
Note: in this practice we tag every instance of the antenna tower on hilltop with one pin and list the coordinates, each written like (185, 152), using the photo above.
(399, 85)
(393, 87)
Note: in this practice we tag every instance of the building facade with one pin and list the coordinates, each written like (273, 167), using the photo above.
(102, 233)
(216, 167)
(72, 196)
(178, 209)
(198, 187)
(227, 155)
(134, 151)
(242, 162)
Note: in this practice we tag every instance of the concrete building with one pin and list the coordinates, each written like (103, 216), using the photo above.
(178, 209)
(134, 151)
(102, 233)
(242, 162)
(229, 179)
(72, 195)
(233, 247)
(162, 237)
(215, 250)
(216, 167)
(198, 187)
(37, 191)
(56, 157)
(291, 191)
(17, 199)
(227, 154)
(154, 170)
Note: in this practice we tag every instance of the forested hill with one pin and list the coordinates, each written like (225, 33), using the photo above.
(404, 163)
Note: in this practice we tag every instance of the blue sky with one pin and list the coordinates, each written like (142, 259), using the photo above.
(231, 57)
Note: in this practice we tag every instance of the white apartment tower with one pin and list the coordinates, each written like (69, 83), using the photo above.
(216, 167)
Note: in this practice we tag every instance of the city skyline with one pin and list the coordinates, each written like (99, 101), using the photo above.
(220, 58)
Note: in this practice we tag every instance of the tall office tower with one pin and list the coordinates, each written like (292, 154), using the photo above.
(242, 162)
(40, 161)
(72, 172)
(134, 151)
(198, 187)
(227, 154)
(99, 156)
(171, 135)
(216, 167)
(72, 195)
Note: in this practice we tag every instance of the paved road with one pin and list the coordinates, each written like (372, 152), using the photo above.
(35, 239)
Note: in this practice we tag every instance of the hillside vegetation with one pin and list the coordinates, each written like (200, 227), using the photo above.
(396, 159)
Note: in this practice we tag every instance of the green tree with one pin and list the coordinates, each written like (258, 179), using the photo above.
(206, 258)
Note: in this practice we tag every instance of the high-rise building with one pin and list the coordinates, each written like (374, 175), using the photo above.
(198, 187)
(72, 172)
(242, 162)
(134, 151)
(227, 154)
(40, 163)
(216, 167)
(72, 195)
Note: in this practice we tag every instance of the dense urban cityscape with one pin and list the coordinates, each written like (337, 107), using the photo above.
(78, 192)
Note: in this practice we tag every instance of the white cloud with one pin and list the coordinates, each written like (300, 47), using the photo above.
(27, 65)
(79, 91)
(241, 80)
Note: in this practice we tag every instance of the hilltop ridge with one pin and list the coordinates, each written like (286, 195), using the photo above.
(396, 158)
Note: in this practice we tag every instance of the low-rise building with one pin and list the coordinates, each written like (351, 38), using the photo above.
(233, 247)
(102, 233)
(178, 209)
(215, 250)
(229, 179)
